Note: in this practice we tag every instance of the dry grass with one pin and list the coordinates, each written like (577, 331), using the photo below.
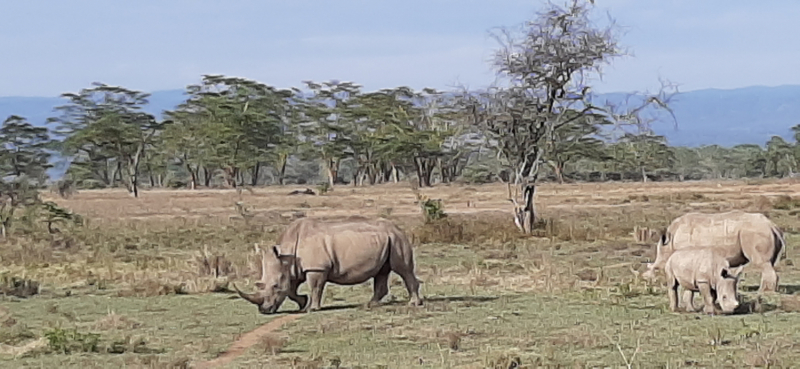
(567, 296)
(272, 343)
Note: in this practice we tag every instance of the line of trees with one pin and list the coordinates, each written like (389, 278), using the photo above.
(538, 123)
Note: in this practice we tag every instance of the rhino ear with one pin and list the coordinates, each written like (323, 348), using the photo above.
(735, 272)
(664, 239)
(286, 259)
(731, 273)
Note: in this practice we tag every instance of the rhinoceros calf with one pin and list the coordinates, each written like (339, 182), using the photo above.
(346, 252)
(706, 270)
(740, 237)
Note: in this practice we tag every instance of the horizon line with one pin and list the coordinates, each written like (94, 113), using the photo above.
(608, 92)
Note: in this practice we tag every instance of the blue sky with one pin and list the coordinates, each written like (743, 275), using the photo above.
(50, 47)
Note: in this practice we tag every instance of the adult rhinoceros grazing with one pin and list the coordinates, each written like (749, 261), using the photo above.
(346, 252)
(742, 238)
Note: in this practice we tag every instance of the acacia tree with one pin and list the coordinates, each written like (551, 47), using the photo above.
(749, 160)
(228, 124)
(781, 161)
(573, 141)
(24, 160)
(106, 123)
(547, 69)
(440, 122)
(288, 140)
(325, 122)
(644, 152)
(23, 150)
(426, 134)
(685, 163)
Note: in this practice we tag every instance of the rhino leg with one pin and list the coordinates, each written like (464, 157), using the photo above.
(412, 286)
(688, 300)
(708, 298)
(316, 281)
(769, 278)
(300, 300)
(403, 265)
(672, 293)
(380, 286)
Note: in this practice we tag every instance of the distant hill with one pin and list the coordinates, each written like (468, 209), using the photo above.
(729, 117)
(711, 116)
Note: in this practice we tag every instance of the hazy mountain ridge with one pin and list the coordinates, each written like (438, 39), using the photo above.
(709, 116)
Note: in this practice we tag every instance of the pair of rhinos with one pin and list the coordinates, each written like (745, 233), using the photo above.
(706, 253)
(698, 252)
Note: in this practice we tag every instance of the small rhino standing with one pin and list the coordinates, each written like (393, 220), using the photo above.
(703, 269)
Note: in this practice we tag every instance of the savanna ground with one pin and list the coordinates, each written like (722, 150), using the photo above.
(134, 285)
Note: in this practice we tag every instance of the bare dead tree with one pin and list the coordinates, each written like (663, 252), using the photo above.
(547, 68)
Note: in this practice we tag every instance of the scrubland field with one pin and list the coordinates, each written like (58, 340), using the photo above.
(145, 283)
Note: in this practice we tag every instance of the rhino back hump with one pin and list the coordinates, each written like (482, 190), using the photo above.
(719, 230)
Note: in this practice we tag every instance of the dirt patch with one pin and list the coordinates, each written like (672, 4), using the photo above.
(246, 341)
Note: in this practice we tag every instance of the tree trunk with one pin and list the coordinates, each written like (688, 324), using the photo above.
(193, 177)
(135, 183)
(424, 168)
(442, 170)
(105, 175)
(356, 175)
(282, 169)
(394, 174)
(372, 174)
(332, 167)
(231, 175)
(150, 175)
(558, 169)
(133, 169)
(207, 175)
(525, 215)
(115, 171)
(331, 176)
(239, 178)
(254, 179)
(644, 175)
(386, 172)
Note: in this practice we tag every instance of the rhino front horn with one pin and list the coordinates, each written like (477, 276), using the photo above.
(258, 300)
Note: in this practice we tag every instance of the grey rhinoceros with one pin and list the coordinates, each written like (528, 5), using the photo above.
(346, 251)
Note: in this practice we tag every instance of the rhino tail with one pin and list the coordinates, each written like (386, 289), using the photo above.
(780, 245)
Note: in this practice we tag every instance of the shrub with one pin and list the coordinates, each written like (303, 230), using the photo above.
(70, 340)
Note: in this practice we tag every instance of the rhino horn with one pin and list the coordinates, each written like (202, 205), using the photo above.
(258, 300)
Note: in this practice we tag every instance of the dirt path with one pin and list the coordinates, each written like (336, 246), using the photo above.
(246, 341)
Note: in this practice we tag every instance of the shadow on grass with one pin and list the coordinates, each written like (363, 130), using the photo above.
(473, 299)
(463, 298)
(787, 289)
(754, 307)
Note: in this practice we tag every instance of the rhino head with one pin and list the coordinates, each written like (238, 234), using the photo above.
(275, 282)
(726, 289)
